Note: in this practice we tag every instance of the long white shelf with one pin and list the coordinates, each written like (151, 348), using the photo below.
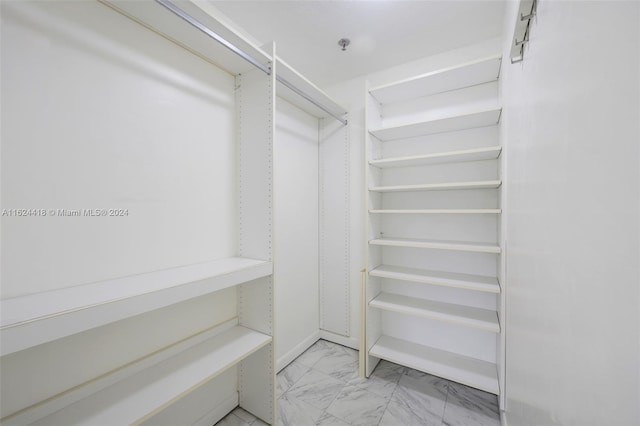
(467, 316)
(289, 74)
(469, 371)
(479, 71)
(438, 211)
(136, 398)
(34, 319)
(158, 18)
(437, 244)
(440, 278)
(447, 186)
(464, 121)
(476, 154)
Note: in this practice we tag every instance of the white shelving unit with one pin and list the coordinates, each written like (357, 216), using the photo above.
(423, 200)
(438, 186)
(484, 319)
(437, 244)
(477, 154)
(451, 123)
(447, 279)
(438, 211)
(459, 368)
(38, 318)
(139, 396)
(239, 353)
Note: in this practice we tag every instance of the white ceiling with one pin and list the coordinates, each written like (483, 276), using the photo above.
(383, 33)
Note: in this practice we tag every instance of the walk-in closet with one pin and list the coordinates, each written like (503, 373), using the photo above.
(304, 213)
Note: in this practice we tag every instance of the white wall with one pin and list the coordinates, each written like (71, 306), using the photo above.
(351, 94)
(571, 114)
(99, 112)
(296, 228)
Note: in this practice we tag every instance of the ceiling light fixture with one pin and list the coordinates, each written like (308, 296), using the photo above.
(344, 42)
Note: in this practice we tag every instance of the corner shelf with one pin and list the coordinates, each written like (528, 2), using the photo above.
(487, 184)
(464, 75)
(437, 244)
(467, 316)
(445, 279)
(451, 123)
(438, 211)
(140, 396)
(459, 368)
(478, 154)
(31, 320)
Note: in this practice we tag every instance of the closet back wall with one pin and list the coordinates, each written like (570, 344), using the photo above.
(296, 225)
(99, 112)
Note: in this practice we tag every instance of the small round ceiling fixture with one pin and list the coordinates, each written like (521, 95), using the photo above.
(344, 42)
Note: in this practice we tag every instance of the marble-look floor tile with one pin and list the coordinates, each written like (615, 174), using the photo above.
(398, 414)
(358, 407)
(315, 353)
(469, 406)
(293, 411)
(340, 365)
(422, 393)
(232, 420)
(328, 420)
(244, 415)
(316, 388)
(382, 381)
(289, 376)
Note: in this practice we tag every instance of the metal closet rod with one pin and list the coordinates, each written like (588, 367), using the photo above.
(244, 55)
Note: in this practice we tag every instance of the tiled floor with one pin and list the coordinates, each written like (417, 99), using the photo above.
(322, 387)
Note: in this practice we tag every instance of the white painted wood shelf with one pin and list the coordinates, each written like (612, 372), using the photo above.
(138, 397)
(468, 120)
(440, 278)
(34, 319)
(469, 371)
(466, 155)
(467, 316)
(447, 186)
(289, 74)
(438, 211)
(437, 244)
(472, 73)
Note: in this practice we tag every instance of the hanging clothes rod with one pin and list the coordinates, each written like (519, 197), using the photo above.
(244, 55)
(313, 101)
(199, 25)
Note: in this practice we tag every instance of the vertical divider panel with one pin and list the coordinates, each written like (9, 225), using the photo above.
(255, 112)
(373, 257)
(335, 267)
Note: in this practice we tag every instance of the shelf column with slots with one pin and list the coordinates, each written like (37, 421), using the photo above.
(433, 213)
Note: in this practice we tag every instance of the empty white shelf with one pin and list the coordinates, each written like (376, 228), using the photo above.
(457, 77)
(437, 244)
(447, 186)
(483, 319)
(469, 371)
(30, 320)
(289, 74)
(477, 154)
(446, 279)
(438, 211)
(134, 399)
(464, 121)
